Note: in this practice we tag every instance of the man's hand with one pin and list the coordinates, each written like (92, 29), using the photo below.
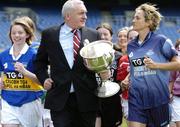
(48, 84)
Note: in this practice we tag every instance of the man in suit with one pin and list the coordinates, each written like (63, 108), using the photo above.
(70, 85)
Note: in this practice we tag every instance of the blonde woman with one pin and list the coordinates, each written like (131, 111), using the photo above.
(21, 89)
(149, 93)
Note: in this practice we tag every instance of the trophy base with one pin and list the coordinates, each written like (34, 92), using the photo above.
(107, 89)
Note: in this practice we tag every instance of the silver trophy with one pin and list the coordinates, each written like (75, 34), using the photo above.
(98, 56)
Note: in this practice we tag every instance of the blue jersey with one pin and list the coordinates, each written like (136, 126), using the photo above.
(18, 88)
(149, 88)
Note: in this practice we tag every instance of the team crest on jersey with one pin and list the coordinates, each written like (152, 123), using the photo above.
(131, 54)
(150, 52)
(5, 65)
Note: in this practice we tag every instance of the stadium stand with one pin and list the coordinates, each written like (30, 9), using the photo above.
(4, 25)
(118, 17)
(47, 17)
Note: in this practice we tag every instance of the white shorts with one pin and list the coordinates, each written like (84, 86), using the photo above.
(175, 108)
(28, 115)
(47, 122)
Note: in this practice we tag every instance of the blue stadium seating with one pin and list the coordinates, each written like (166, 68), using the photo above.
(47, 17)
(4, 37)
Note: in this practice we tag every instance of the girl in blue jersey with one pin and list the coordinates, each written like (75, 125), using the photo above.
(21, 90)
(35, 45)
(148, 92)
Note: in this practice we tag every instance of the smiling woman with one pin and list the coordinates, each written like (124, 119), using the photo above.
(21, 90)
(151, 56)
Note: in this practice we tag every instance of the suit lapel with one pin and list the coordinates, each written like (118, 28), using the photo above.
(83, 35)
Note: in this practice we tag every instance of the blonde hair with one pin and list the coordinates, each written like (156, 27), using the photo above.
(26, 26)
(151, 14)
(29, 21)
(123, 29)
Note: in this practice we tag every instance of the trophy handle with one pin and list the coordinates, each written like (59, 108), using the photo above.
(109, 57)
(112, 52)
(85, 63)
(86, 42)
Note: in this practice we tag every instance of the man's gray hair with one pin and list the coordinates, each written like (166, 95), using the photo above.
(69, 5)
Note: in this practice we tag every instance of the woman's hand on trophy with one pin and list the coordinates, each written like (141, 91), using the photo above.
(125, 83)
(105, 75)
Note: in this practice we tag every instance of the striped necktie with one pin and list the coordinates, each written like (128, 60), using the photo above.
(76, 43)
